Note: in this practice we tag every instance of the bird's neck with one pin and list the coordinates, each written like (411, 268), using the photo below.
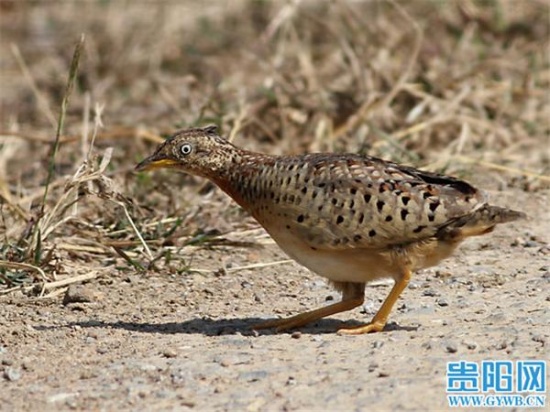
(239, 171)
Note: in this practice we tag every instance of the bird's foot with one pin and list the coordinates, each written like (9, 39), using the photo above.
(374, 326)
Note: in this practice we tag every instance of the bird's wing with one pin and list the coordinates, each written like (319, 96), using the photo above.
(365, 202)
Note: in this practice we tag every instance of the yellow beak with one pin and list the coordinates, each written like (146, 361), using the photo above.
(154, 162)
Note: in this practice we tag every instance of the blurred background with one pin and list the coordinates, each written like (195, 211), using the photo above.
(460, 87)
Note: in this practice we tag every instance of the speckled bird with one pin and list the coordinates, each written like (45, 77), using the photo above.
(349, 218)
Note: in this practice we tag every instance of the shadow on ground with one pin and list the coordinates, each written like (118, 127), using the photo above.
(212, 327)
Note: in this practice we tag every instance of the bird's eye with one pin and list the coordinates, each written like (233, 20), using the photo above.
(186, 149)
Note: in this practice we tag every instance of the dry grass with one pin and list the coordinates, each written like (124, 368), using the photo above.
(455, 86)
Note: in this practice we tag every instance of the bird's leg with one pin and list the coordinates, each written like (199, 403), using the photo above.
(350, 300)
(379, 321)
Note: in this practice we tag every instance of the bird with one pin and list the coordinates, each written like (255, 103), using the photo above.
(349, 218)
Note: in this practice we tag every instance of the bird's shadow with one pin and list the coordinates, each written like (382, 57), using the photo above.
(218, 327)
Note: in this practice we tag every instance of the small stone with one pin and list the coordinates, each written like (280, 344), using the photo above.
(377, 344)
(12, 374)
(93, 334)
(517, 241)
(442, 302)
(369, 308)
(429, 292)
(451, 347)
(470, 344)
(383, 374)
(27, 364)
(169, 353)
(78, 294)
(539, 339)
(296, 335)
(253, 376)
(88, 374)
(102, 351)
(246, 285)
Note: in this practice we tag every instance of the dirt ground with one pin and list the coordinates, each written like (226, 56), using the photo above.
(91, 319)
(154, 342)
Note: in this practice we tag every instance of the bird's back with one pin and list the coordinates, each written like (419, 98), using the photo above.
(350, 201)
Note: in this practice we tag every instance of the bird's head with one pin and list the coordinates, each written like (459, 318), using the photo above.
(199, 151)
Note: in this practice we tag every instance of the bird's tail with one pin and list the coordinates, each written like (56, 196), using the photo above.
(480, 221)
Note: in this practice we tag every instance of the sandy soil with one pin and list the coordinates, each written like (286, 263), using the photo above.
(184, 341)
(458, 87)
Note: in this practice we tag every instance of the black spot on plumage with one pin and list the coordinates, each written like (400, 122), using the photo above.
(351, 204)
(291, 198)
(404, 213)
(389, 218)
(405, 200)
(304, 190)
(361, 218)
(380, 205)
(372, 233)
(357, 238)
(431, 217)
(419, 229)
(288, 226)
(367, 198)
(300, 218)
(434, 206)
(353, 191)
(339, 219)
(334, 201)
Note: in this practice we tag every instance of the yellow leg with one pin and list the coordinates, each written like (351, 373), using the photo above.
(379, 321)
(347, 303)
